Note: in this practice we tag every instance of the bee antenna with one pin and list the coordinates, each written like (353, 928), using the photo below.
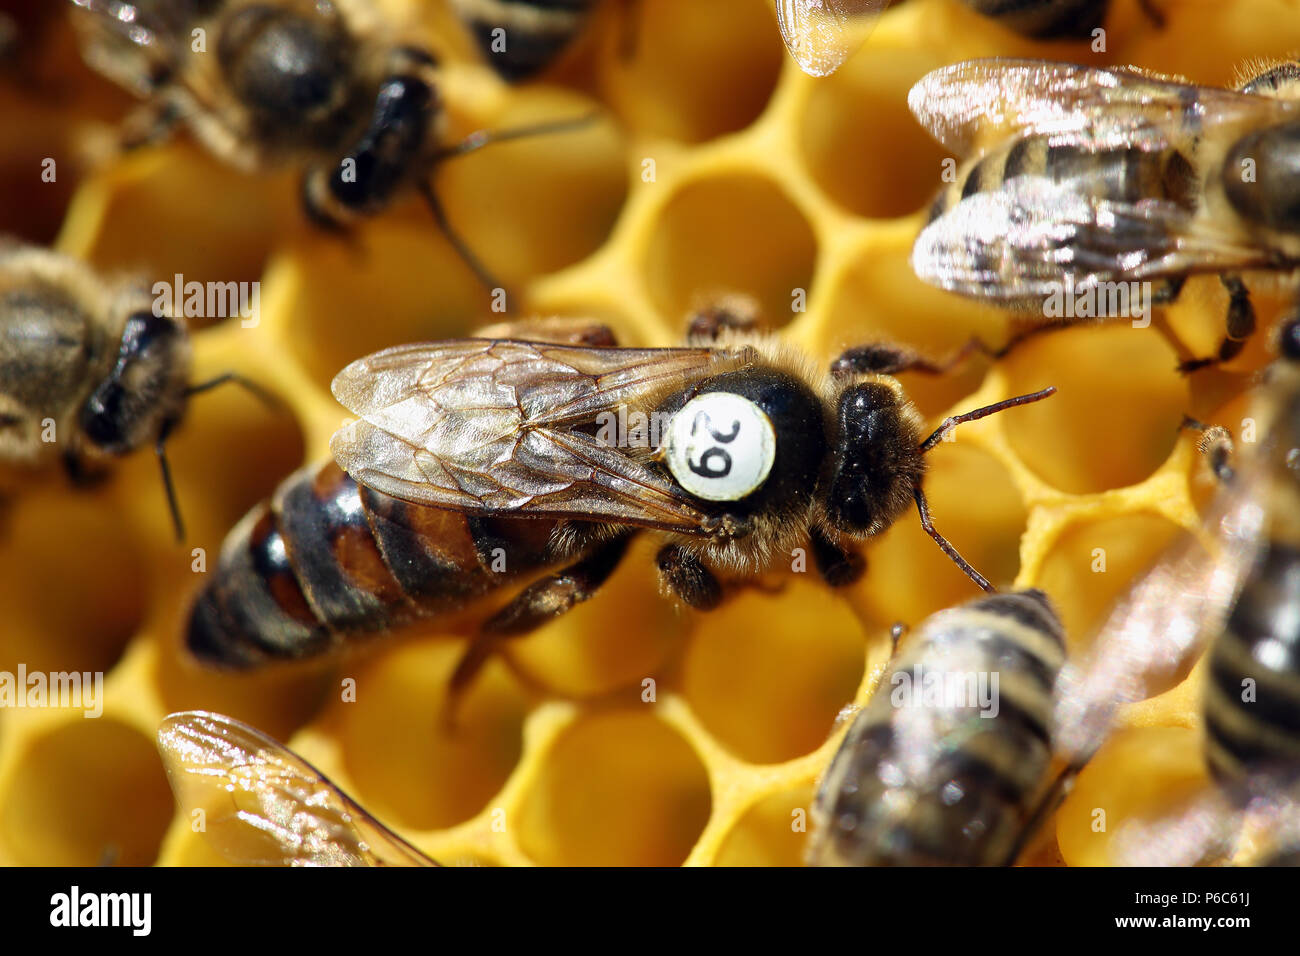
(944, 545)
(462, 248)
(234, 378)
(178, 523)
(160, 446)
(950, 423)
(470, 144)
(486, 137)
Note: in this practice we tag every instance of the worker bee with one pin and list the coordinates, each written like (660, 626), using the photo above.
(949, 763)
(820, 34)
(262, 804)
(89, 369)
(312, 84)
(916, 784)
(1104, 181)
(483, 470)
(1237, 592)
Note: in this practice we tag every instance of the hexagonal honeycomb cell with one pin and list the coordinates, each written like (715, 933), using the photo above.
(630, 731)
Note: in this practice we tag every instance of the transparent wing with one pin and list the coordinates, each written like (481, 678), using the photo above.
(820, 34)
(965, 104)
(1209, 826)
(1164, 621)
(265, 805)
(1016, 244)
(134, 42)
(498, 426)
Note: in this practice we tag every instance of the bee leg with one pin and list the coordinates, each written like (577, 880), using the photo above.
(732, 314)
(838, 565)
(685, 577)
(1241, 326)
(146, 125)
(881, 359)
(541, 601)
(1048, 803)
(1215, 445)
(1152, 13)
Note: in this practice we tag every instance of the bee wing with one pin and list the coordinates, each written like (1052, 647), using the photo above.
(134, 41)
(968, 103)
(265, 805)
(1207, 827)
(820, 34)
(1162, 623)
(1017, 244)
(488, 426)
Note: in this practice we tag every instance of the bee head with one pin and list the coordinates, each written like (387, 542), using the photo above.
(142, 396)
(876, 462)
(387, 153)
(292, 72)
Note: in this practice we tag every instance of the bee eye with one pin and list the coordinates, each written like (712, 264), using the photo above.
(101, 416)
(1260, 177)
(720, 446)
(143, 330)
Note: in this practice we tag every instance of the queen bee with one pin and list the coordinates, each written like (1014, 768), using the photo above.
(477, 486)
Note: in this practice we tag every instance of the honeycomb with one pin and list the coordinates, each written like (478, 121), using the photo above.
(718, 168)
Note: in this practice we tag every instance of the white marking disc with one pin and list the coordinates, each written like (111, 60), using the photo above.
(720, 446)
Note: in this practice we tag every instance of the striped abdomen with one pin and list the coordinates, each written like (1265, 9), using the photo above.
(1121, 175)
(327, 561)
(1124, 177)
(1252, 698)
(519, 38)
(928, 775)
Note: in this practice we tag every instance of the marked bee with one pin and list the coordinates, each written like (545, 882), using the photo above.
(1103, 178)
(820, 34)
(516, 469)
(310, 84)
(1238, 592)
(520, 38)
(264, 805)
(925, 776)
(88, 370)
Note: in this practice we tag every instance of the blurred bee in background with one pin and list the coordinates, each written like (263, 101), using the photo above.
(315, 84)
(482, 463)
(88, 370)
(960, 779)
(1240, 594)
(821, 34)
(1096, 178)
(264, 805)
(520, 38)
